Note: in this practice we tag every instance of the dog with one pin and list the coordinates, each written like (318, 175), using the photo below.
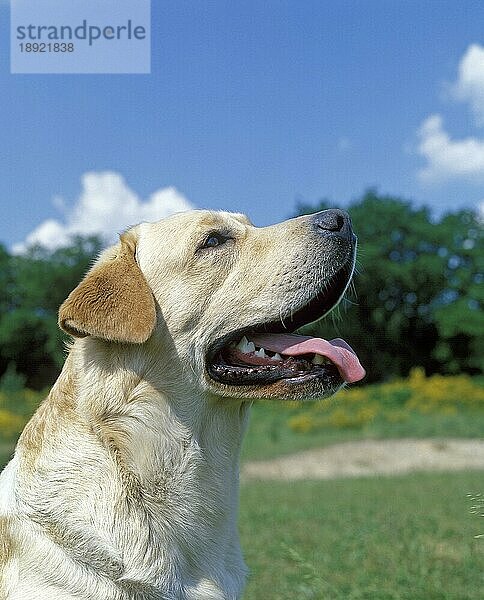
(124, 484)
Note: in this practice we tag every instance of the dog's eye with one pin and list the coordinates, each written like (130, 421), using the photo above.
(214, 239)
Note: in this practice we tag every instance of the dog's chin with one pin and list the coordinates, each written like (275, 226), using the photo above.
(304, 388)
(242, 365)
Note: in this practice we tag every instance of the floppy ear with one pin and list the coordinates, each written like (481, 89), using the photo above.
(112, 302)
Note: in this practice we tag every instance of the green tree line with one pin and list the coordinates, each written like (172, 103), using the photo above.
(416, 299)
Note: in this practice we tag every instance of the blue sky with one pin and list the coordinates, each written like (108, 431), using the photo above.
(251, 106)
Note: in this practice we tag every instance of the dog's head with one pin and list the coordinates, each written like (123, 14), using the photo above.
(228, 296)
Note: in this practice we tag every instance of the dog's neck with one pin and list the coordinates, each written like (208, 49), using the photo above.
(176, 457)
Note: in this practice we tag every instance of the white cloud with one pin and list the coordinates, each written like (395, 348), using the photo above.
(447, 158)
(106, 206)
(469, 86)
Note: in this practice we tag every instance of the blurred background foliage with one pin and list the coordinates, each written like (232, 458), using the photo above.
(32, 287)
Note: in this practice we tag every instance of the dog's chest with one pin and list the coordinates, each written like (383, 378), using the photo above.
(184, 526)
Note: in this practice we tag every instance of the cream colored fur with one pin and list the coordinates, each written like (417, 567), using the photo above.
(124, 485)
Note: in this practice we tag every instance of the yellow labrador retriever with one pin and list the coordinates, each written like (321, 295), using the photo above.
(124, 484)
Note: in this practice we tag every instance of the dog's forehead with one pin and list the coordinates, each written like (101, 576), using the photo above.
(190, 223)
(207, 220)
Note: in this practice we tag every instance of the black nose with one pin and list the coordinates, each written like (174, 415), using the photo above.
(333, 221)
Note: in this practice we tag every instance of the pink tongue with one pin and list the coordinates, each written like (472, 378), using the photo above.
(337, 350)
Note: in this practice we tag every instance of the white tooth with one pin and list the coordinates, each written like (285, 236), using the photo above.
(250, 347)
(242, 345)
(277, 356)
(319, 360)
(260, 353)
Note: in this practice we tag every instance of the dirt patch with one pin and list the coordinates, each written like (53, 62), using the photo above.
(371, 457)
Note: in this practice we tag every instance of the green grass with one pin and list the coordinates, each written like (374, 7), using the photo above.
(269, 434)
(409, 537)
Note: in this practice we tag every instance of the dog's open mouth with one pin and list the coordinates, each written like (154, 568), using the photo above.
(266, 358)
(268, 353)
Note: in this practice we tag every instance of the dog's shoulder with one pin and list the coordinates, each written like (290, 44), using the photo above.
(50, 416)
(7, 527)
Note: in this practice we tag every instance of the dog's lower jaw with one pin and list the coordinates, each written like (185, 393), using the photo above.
(157, 512)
